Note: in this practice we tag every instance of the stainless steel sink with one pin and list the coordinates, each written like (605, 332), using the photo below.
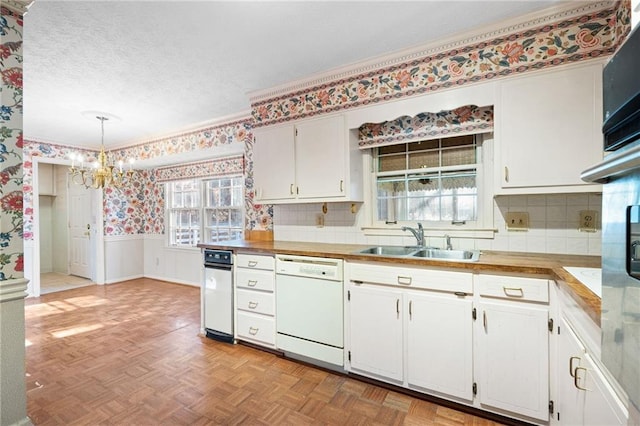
(423, 252)
(464, 255)
(390, 250)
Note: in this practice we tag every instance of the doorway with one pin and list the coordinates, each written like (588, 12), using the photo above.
(66, 242)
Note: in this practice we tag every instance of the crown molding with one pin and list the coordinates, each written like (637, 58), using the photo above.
(17, 6)
(506, 27)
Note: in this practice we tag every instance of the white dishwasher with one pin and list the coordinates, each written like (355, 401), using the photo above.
(309, 307)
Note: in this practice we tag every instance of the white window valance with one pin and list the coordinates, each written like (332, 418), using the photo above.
(465, 120)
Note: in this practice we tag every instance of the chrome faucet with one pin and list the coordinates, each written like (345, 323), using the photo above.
(418, 233)
(447, 240)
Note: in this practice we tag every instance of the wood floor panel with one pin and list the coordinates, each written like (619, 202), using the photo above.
(131, 354)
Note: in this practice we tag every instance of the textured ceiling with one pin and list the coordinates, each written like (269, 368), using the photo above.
(164, 67)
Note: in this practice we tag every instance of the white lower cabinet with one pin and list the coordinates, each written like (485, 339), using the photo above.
(375, 321)
(439, 343)
(255, 299)
(512, 344)
(513, 354)
(403, 333)
(584, 396)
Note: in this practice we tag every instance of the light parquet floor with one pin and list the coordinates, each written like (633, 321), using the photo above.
(131, 354)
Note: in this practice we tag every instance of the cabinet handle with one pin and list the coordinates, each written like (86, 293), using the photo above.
(252, 283)
(341, 186)
(484, 320)
(572, 369)
(404, 280)
(410, 308)
(509, 291)
(253, 305)
(291, 189)
(253, 331)
(506, 174)
(398, 306)
(252, 263)
(576, 379)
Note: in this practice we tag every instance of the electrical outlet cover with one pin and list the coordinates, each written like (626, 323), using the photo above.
(517, 221)
(588, 221)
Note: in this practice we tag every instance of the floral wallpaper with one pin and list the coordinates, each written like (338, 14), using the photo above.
(138, 207)
(11, 201)
(458, 121)
(575, 39)
(219, 167)
(123, 213)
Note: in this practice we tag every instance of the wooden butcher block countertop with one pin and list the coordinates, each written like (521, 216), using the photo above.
(535, 264)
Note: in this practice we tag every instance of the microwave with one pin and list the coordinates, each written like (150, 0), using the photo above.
(621, 95)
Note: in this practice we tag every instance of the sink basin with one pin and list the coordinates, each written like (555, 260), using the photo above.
(391, 250)
(464, 255)
(424, 252)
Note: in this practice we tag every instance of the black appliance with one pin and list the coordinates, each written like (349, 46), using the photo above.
(621, 95)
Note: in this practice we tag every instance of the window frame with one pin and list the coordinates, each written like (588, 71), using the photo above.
(202, 208)
(485, 190)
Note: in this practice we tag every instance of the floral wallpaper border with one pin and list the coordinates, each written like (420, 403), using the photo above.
(588, 36)
(217, 167)
(11, 142)
(459, 121)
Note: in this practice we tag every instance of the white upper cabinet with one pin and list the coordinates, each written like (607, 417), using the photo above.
(311, 161)
(548, 130)
(274, 163)
(321, 157)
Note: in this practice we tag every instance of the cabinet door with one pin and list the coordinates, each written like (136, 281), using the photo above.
(601, 404)
(321, 157)
(513, 343)
(439, 345)
(549, 127)
(375, 320)
(274, 163)
(571, 355)
(584, 394)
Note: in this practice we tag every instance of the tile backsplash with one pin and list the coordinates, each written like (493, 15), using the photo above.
(553, 225)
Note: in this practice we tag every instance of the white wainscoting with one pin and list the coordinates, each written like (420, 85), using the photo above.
(178, 265)
(123, 257)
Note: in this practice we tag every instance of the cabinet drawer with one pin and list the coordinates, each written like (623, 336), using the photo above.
(411, 277)
(255, 261)
(255, 280)
(255, 301)
(256, 327)
(513, 288)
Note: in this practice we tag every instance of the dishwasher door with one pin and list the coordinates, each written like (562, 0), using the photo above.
(218, 302)
(310, 309)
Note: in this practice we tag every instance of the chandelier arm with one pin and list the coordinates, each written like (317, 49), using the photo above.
(103, 173)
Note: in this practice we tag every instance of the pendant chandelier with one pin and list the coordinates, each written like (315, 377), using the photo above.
(101, 173)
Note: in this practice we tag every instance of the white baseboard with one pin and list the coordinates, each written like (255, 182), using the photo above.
(171, 280)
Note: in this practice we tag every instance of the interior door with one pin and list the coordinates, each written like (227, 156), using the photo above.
(79, 231)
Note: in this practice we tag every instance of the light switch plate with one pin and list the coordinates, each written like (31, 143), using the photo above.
(517, 221)
(588, 221)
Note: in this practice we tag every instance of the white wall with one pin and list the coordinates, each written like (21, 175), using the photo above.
(46, 233)
(60, 221)
(123, 258)
(179, 265)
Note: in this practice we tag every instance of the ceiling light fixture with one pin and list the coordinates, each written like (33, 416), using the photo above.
(101, 173)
